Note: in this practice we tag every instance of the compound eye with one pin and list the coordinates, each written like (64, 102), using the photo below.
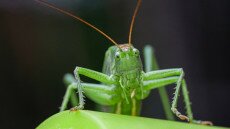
(136, 52)
(117, 55)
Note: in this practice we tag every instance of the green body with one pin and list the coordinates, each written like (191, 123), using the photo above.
(126, 67)
(124, 84)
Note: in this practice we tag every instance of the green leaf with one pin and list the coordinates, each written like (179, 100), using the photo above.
(84, 119)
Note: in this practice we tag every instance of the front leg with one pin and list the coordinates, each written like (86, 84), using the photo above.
(168, 76)
(160, 78)
(99, 93)
(76, 84)
(101, 77)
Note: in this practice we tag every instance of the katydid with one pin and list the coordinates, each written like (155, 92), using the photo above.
(124, 84)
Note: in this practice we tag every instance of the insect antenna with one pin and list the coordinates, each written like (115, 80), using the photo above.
(133, 19)
(77, 18)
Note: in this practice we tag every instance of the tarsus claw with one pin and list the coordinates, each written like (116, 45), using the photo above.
(73, 109)
(183, 117)
(206, 123)
(77, 108)
(178, 114)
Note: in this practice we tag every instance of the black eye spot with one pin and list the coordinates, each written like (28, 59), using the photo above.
(117, 55)
(136, 52)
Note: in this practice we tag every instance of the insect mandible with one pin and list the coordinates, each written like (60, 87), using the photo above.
(124, 84)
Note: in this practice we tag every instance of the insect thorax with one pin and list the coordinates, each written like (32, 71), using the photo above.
(125, 64)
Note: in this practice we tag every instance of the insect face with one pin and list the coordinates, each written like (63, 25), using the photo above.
(127, 60)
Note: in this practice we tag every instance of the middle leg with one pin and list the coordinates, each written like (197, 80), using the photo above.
(99, 93)
(150, 65)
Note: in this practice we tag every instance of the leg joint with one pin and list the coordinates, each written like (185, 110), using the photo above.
(76, 74)
(76, 70)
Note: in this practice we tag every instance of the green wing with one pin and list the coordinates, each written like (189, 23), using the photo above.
(108, 62)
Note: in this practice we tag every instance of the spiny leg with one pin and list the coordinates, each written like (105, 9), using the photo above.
(101, 77)
(162, 78)
(69, 79)
(188, 107)
(187, 104)
(162, 74)
(74, 84)
(68, 93)
(150, 65)
(99, 93)
(77, 85)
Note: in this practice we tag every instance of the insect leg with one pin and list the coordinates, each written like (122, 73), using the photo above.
(165, 77)
(188, 107)
(68, 93)
(99, 93)
(69, 79)
(162, 78)
(76, 84)
(150, 65)
(102, 94)
(101, 77)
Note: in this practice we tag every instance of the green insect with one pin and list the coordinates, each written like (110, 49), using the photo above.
(124, 84)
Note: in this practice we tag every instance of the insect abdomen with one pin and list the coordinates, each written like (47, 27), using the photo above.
(132, 108)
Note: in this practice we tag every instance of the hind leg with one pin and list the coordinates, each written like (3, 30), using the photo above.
(150, 65)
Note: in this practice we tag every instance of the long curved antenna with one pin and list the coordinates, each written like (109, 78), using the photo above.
(132, 22)
(77, 18)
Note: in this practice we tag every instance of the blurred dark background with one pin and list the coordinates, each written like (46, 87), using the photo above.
(39, 45)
